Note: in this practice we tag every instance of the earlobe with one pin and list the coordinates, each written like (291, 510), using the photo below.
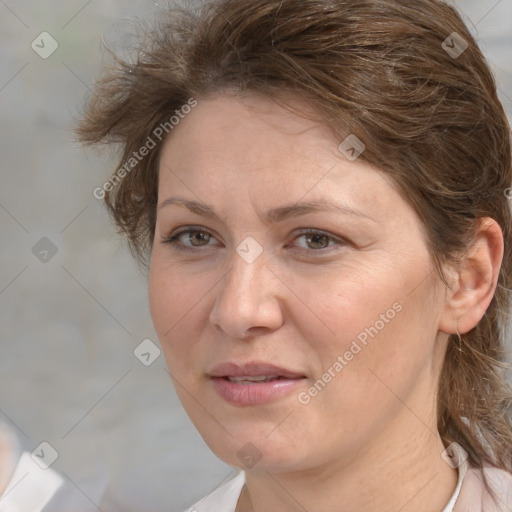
(475, 282)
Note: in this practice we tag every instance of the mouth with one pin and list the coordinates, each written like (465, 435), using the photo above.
(253, 383)
(246, 379)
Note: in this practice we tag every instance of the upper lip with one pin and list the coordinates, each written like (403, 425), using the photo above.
(252, 369)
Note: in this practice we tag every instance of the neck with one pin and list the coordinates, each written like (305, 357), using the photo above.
(396, 472)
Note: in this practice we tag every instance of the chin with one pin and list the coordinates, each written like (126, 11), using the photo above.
(258, 452)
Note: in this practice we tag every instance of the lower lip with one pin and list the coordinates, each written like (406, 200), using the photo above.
(254, 393)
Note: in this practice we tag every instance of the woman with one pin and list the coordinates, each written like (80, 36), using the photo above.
(319, 188)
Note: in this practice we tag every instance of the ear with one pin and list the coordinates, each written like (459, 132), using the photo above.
(474, 283)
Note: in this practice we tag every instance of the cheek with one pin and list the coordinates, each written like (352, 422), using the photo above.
(180, 302)
(365, 316)
(161, 300)
(172, 294)
(173, 304)
(381, 342)
(343, 303)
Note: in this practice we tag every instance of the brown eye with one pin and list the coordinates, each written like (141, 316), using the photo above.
(196, 238)
(317, 241)
(199, 236)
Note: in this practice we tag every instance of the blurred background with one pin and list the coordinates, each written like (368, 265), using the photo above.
(73, 301)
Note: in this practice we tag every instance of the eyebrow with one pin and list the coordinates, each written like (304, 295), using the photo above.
(276, 214)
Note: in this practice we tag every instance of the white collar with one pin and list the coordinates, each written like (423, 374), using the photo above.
(224, 498)
(462, 470)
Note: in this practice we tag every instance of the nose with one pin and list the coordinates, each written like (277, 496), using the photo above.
(248, 300)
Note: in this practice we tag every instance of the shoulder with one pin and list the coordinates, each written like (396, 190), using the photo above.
(474, 495)
(222, 499)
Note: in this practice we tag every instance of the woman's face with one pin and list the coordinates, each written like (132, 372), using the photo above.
(346, 318)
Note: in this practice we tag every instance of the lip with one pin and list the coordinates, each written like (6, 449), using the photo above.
(253, 393)
(252, 369)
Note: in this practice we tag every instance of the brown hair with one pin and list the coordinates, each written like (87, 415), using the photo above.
(379, 69)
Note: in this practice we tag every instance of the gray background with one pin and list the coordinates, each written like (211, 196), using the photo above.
(69, 326)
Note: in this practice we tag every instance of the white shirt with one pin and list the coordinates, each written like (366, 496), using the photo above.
(30, 485)
(469, 494)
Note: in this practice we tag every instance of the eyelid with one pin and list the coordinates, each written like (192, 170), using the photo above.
(173, 238)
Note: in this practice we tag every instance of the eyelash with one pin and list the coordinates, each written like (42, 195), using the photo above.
(174, 242)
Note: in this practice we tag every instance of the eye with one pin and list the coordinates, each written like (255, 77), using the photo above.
(194, 234)
(316, 240)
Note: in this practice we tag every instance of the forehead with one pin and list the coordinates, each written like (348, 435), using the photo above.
(235, 146)
(238, 127)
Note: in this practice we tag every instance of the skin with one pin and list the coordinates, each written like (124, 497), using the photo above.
(300, 305)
